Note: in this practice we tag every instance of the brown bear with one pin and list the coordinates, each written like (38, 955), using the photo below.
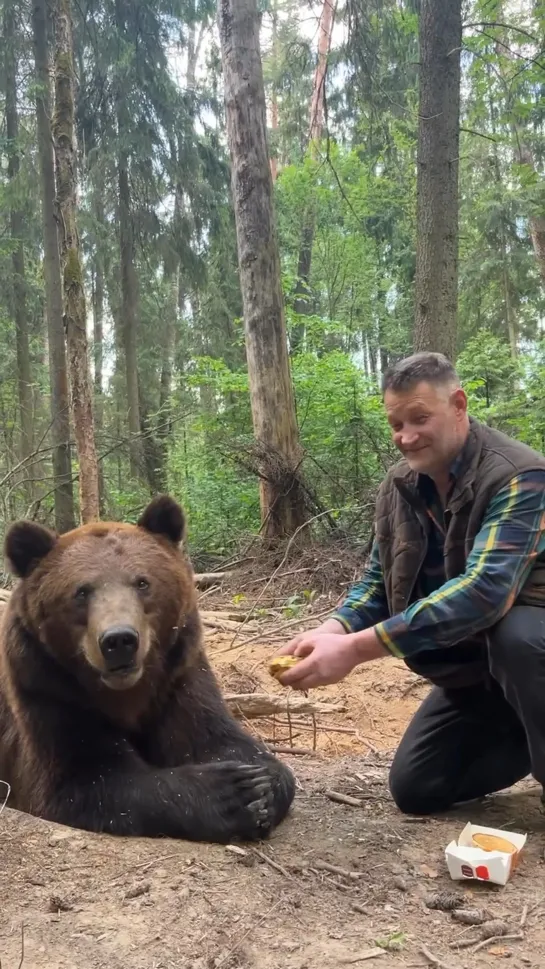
(111, 719)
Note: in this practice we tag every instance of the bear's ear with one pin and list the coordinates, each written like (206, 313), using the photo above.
(26, 544)
(164, 517)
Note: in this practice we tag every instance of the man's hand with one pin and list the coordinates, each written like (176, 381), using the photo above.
(328, 656)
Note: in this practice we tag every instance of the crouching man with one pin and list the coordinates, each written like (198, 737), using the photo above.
(455, 586)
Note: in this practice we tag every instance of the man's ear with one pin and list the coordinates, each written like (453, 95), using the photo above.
(164, 517)
(459, 400)
(26, 544)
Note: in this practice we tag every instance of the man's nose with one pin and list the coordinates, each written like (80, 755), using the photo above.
(407, 438)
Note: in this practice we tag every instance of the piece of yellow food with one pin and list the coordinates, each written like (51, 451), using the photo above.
(280, 664)
(491, 842)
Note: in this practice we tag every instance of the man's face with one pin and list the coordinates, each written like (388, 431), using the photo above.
(429, 425)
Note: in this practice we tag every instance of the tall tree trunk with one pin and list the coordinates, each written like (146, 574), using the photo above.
(523, 152)
(274, 91)
(271, 391)
(130, 308)
(129, 280)
(536, 222)
(75, 315)
(510, 317)
(317, 103)
(98, 359)
(60, 405)
(437, 179)
(302, 303)
(18, 294)
(98, 319)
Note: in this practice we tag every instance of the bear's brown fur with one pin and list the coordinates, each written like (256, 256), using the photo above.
(110, 716)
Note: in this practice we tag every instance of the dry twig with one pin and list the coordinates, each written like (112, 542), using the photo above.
(270, 861)
(433, 959)
(335, 870)
(344, 798)
(252, 705)
(514, 937)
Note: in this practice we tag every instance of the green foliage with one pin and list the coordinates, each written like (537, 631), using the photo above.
(143, 101)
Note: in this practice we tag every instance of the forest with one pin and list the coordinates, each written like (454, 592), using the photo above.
(218, 227)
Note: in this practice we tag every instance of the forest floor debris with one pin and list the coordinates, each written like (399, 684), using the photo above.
(345, 880)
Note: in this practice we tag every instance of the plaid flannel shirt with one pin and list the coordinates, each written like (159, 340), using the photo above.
(512, 536)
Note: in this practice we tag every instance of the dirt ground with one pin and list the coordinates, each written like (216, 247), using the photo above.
(70, 900)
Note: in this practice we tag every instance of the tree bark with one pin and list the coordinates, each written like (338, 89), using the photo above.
(18, 294)
(130, 310)
(272, 400)
(130, 299)
(98, 317)
(436, 295)
(302, 304)
(60, 405)
(75, 315)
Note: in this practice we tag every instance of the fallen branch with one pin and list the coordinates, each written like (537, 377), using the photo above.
(270, 861)
(363, 956)
(325, 729)
(336, 870)
(493, 929)
(515, 937)
(432, 959)
(344, 798)
(232, 614)
(296, 751)
(204, 579)
(252, 705)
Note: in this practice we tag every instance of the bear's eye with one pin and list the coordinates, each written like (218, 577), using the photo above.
(142, 585)
(83, 593)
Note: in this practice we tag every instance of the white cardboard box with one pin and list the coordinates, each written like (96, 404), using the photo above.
(465, 861)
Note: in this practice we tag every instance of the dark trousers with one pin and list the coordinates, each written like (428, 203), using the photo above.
(465, 743)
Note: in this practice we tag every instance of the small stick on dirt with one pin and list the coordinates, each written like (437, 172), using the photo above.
(515, 937)
(524, 916)
(22, 945)
(344, 798)
(323, 728)
(296, 751)
(360, 909)
(330, 881)
(257, 705)
(370, 954)
(335, 870)
(271, 862)
(202, 579)
(493, 929)
(432, 959)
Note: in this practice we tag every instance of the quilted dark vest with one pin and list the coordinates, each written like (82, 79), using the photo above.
(490, 460)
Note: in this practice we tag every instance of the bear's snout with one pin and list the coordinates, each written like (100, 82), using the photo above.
(118, 645)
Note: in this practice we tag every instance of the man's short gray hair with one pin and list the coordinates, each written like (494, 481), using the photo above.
(434, 368)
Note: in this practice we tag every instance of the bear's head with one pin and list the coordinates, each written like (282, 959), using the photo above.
(106, 600)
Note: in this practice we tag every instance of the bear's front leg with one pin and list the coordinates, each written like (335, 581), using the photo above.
(194, 727)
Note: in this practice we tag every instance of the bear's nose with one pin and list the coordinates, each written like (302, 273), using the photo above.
(118, 644)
